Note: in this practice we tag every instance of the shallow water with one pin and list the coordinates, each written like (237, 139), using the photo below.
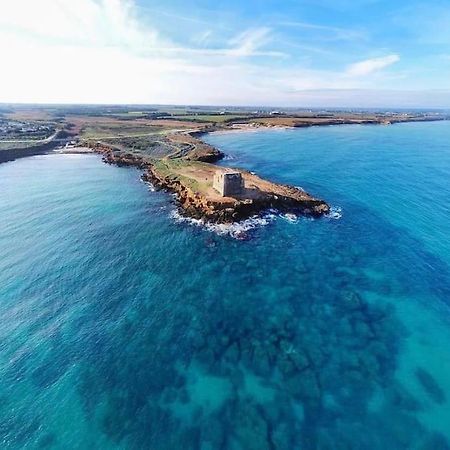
(123, 328)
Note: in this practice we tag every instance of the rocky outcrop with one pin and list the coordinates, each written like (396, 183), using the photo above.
(226, 210)
(118, 157)
(191, 148)
(195, 205)
(205, 154)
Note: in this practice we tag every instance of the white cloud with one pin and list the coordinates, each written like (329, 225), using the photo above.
(370, 66)
(84, 23)
(99, 51)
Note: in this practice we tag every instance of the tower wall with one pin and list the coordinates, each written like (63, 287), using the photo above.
(228, 183)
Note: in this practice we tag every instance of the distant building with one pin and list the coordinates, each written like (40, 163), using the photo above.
(228, 183)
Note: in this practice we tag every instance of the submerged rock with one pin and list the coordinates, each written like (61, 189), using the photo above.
(250, 428)
(430, 386)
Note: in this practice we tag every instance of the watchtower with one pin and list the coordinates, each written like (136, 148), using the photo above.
(228, 183)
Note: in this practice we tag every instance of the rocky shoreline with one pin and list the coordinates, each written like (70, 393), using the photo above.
(282, 198)
(212, 209)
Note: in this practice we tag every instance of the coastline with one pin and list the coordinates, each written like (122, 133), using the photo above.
(197, 207)
(24, 152)
(254, 127)
(188, 171)
(12, 154)
(190, 179)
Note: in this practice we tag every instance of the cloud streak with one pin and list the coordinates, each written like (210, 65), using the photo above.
(247, 44)
(328, 32)
(369, 66)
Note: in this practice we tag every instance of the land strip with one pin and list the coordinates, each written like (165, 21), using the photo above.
(168, 147)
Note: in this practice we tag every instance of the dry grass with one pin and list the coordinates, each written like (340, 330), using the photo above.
(199, 177)
(30, 115)
(92, 127)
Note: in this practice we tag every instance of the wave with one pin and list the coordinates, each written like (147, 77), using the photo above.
(238, 230)
(244, 229)
(289, 217)
(335, 213)
(228, 158)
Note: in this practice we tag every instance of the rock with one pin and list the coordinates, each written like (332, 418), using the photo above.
(402, 399)
(430, 386)
(232, 354)
(261, 363)
(250, 428)
(282, 197)
(199, 206)
(352, 302)
(287, 367)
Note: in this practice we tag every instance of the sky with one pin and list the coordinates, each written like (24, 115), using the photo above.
(299, 53)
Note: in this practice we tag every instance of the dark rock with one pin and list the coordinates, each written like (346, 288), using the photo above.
(250, 428)
(430, 386)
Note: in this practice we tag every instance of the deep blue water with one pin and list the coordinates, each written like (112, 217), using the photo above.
(121, 328)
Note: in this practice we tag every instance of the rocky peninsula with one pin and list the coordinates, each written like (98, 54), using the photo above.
(187, 169)
(166, 144)
(189, 175)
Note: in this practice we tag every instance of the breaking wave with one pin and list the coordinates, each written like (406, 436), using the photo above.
(243, 230)
(228, 158)
(238, 230)
(335, 213)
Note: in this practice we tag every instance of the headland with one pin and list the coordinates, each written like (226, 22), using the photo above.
(168, 148)
(191, 180)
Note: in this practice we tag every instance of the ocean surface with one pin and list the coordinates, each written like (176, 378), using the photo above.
(124, 327)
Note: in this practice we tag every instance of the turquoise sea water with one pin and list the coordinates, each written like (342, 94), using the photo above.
(123, 328)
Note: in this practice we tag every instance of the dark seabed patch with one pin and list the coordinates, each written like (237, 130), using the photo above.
(430, 386)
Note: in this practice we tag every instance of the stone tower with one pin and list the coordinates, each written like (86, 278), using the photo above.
(228, 183)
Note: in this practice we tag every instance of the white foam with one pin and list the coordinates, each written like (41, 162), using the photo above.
(289, 217)
(242, 230)
(335, 213)
(150, 186)
(237, 230)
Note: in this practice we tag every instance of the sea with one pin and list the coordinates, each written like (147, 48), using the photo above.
(125, 326)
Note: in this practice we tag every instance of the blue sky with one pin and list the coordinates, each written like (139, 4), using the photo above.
(295, 53)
